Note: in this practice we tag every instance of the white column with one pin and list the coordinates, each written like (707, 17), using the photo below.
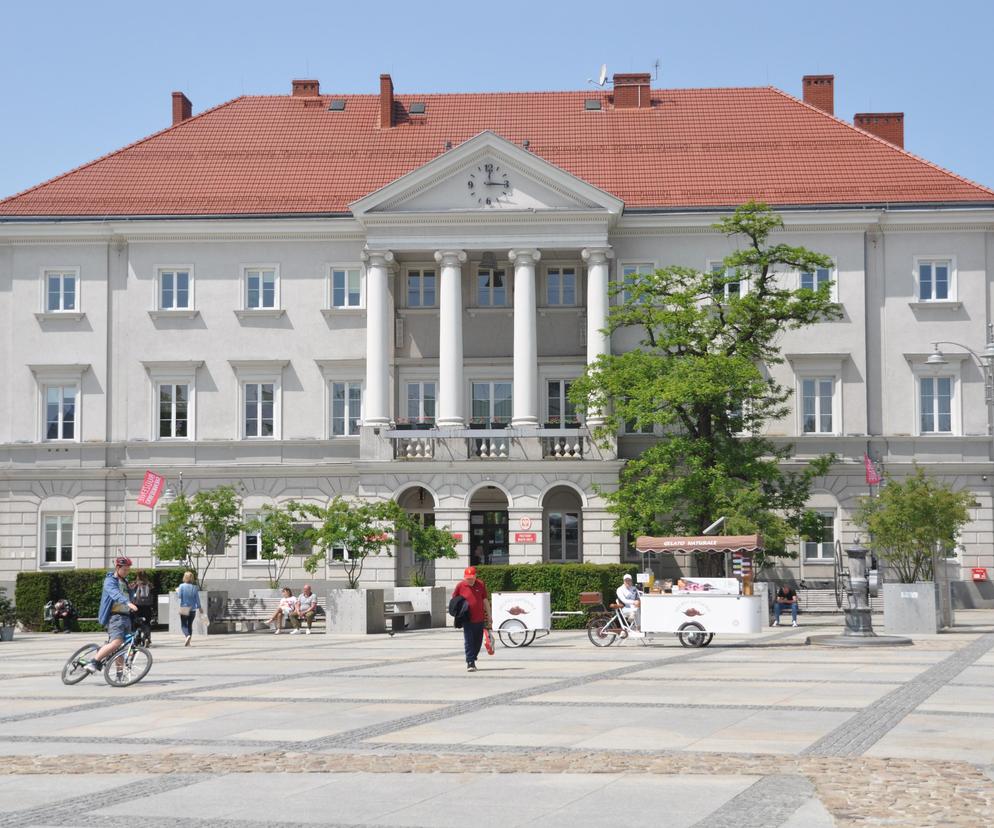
(450, 363)
(598, 343)
(376, 402)
(525, 405)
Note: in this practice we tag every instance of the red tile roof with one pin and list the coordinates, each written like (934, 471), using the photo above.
(692, 148)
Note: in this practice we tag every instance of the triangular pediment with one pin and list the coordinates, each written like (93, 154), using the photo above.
(487, 174)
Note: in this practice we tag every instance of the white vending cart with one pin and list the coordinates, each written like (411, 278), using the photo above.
(697, 608)
(520, 617)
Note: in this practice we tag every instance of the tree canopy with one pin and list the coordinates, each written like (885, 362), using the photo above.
(700, 379)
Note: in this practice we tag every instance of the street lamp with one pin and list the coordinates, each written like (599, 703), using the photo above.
(984, 361)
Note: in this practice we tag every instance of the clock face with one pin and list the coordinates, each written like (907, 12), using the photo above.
(488, 185)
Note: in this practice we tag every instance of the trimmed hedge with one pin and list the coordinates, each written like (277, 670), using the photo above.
(564, 582)
(81, 586)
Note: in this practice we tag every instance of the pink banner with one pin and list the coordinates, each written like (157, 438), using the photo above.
(151, 490)
(872, 475)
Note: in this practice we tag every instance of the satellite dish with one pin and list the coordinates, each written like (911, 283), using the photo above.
(602, 78)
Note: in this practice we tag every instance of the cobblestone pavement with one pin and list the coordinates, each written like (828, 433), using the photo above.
(247, 730)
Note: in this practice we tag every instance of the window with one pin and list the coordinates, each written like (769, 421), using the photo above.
(58, 539)
(562, 412)
(725, 282)
(935, 280)
(935, 395)
(421, 289)
(260, 408)
(346, 408)
(560, 285)
(60, 290)
(339, 554)
(564, 537)
(817, 395)
(630, 275)
(824, 547)
(491, 403)
(252, 542)
(491, 287)
(421, 402)
(174, 289)
(260, 288)
(816, 278)
(346, 287)
(174, 402)
(60, 412)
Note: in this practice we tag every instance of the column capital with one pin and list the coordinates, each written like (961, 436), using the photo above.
(378, 258)
(597, 255)
(450, 258)
(524, 257)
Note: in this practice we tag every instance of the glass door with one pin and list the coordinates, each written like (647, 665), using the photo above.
(488, 537)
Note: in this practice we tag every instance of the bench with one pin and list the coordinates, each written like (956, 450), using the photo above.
(249, 614)
(822, 601)
(398, 613)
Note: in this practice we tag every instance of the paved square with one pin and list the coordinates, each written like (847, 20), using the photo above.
(341, 730)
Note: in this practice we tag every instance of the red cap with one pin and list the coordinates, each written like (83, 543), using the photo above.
(469, 572)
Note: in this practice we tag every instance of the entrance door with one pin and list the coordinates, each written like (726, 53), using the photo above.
(488, 541)
(406, 563)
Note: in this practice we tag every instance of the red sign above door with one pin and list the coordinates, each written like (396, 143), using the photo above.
(525, 537)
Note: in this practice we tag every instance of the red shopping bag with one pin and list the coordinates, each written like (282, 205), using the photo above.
(488, 641)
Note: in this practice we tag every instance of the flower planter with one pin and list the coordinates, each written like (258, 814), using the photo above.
(214, 601)
(405, 426)
(911, 609)
(433, 599)
(355, 611)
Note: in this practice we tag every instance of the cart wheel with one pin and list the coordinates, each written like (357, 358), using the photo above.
(531, 638)
(602, 632)
(692, 634)
(514, 633)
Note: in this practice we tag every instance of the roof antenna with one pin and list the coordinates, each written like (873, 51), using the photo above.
(602, 78)
(656, 67)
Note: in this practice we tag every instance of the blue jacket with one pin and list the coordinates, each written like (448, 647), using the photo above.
(189, 596)
(112, 594)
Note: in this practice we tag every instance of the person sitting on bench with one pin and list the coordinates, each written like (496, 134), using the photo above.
(63, 614)
(307, 606)
(286, 610)
(786, 597)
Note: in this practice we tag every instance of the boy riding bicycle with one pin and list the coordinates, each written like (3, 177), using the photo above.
(116, 606)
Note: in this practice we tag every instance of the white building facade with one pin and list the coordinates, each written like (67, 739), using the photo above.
(420, 346)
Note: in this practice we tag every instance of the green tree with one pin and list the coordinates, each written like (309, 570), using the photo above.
(196, 529)
(281, 535)
(361, 529)
(912, 521)
(429, 543)
(700, 377)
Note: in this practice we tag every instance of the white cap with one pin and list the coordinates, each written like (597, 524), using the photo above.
(628, 576)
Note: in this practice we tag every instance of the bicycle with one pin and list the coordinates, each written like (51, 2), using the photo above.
(127, 665)
(605, 629)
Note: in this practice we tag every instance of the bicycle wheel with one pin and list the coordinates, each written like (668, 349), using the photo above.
(603, 632)
(74, 670)
(513, 633)
(137, 661)
(693, 634)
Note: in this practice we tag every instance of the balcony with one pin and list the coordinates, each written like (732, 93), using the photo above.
(488, 443)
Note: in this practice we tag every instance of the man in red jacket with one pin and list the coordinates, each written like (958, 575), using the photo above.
(474, 591)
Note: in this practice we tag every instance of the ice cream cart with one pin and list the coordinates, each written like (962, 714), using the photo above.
(521, 617)
(697, 608)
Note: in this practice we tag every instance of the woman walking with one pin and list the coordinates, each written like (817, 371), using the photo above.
(189, 603)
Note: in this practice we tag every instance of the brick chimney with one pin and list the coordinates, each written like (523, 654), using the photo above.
(886, 125)
(631, 91)
(182, 108)
(386, 102)
(819, 91)
(306, 88)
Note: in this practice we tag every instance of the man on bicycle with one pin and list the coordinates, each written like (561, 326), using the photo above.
(628, 597)
(116, 606)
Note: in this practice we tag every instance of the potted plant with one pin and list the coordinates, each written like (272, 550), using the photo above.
(8, 617)
(403, 424)
(553, 421)
(912, 525)
(424, 424)
(499, 424)
(479, 423)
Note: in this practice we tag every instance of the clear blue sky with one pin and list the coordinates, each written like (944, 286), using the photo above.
(82, 79)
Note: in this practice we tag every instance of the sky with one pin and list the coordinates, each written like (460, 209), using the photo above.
(78, 80)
